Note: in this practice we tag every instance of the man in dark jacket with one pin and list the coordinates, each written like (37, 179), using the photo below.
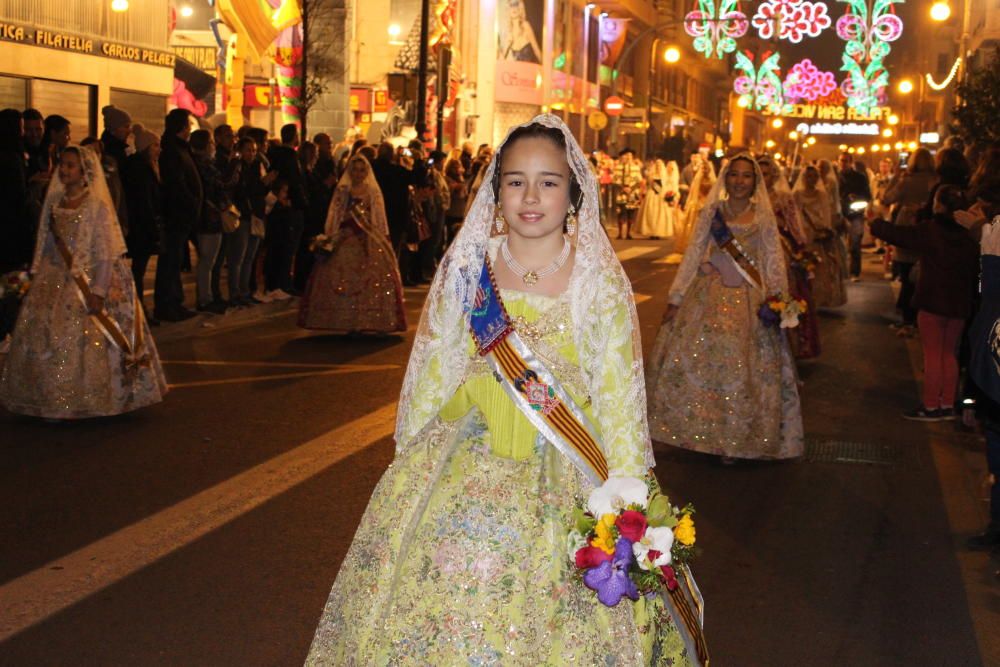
(182, 207)
(394, 181)
(16, 228)
(285, 231)
(854, 188)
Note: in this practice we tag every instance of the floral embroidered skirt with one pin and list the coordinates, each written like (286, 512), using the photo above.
(828, 284)
(719, 382)
(462, 559)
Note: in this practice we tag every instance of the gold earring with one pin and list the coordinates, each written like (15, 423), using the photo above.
(571, 221)
(498, 220)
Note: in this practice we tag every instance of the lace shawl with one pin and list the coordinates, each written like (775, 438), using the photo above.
(598, 288)
(770, 259)
(375, 220)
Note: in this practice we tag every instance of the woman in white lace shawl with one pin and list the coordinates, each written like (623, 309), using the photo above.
(81, 347)
(461, 554)
(814, 202)
(355, 287)
(657, 212)
(719, 381)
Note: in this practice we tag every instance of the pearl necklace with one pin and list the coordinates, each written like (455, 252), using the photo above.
(531, 277)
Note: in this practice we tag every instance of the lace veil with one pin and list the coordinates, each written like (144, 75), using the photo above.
(598, 287)
(342, 193)
(815, 207)
(100, 207)
(783, 202)
(769, 258)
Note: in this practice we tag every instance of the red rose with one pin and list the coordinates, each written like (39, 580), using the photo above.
(631, 525)
(588, 557)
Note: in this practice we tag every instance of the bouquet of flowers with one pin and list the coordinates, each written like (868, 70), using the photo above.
(805, 261)
(629, 538)
(14, 285)
(781, 310)
(321, 245)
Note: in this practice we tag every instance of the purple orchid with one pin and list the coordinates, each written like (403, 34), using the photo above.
(767, 315)
(610, 579)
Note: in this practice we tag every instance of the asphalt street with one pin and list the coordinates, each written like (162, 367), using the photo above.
(207, 530)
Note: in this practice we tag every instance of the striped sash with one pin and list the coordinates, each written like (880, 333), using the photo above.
(535, 391)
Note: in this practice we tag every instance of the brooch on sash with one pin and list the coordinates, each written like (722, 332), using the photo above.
(541, 397)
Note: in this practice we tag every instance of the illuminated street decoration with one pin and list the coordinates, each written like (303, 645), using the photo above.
(715, 27)
(760, 87)
(948, 79)
(863, 129)
(807, 82)
(867, 27)
(792, 20)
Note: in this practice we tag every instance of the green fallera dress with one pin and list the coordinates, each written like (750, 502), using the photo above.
(462, 558)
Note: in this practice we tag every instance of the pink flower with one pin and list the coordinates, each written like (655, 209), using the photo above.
(631, 525)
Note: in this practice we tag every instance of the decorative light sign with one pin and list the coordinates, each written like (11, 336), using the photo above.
(951, 75)
(716, 28)
(791, 19)
(867, 28)
(760, 86)
(866, 129)
(930, 137)
(828, 112)
(807, 82)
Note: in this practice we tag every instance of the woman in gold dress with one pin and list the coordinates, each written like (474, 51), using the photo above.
(719, 381)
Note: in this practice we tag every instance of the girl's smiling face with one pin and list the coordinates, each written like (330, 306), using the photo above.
(741, 179)
(534, 187)
(70, 169)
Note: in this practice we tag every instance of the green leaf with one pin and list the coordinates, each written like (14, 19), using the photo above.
(659, 513)
(584, 522)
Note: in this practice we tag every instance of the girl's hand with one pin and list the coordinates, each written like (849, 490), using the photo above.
(670, 313)
(95, 303)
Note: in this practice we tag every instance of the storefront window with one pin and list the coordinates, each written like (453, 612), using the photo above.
(142, 107)
(71, 100)
(13, 93)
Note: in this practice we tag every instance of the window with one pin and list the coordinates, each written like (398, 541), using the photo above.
(13, 93)
(71, 100)
(142, 107)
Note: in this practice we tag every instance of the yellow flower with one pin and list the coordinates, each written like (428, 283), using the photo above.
(776, 306)
(684, 530)
(605, 539)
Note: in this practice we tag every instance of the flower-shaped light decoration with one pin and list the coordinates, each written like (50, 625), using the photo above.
(867, 40)
(807, 82)
(716, 27)
(791, 20)
(760, 86)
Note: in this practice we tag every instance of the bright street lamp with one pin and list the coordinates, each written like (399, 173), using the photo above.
(905, 87)
(769, 143)
(187, 11)
(893, 119)
(672, 54)
(793, 135)
(940, 11)
(811, 140)
(119, 5)
(777, 123)
(887, 132)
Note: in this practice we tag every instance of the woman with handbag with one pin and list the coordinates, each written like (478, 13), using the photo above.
(356, 287)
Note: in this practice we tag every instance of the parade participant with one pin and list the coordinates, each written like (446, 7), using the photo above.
(628, 191)
(814, 204)
(81, 347)
(356, 288)
(701, 184)
(720, 380)
(656, 215)
(460, 558)
(803, 339)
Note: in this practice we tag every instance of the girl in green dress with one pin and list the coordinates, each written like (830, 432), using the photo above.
(461, 557)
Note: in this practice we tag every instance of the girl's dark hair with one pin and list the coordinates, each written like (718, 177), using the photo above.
(952, 167)
(536, 130)
(951, 197)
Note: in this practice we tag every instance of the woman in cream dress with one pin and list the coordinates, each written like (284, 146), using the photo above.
(658, 212)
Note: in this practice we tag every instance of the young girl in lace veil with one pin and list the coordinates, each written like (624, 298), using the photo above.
(719, 380)
(461, 557)
(81, 346)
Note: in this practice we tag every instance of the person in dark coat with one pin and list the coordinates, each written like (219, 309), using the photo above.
(208, 231)
(16, 227)
(182, 209)
(949, 270)
(394, 181)
(141, 180)
(285, 231)
(854, 187)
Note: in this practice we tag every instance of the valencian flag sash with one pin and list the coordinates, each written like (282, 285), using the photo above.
(540, 397)
(726, 240)
(105, 323)
(535, 391)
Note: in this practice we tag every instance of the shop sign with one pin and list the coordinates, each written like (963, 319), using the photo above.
(361, 100)
(519, 82)
(63, 41)
(828, 112)
(381, 103)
